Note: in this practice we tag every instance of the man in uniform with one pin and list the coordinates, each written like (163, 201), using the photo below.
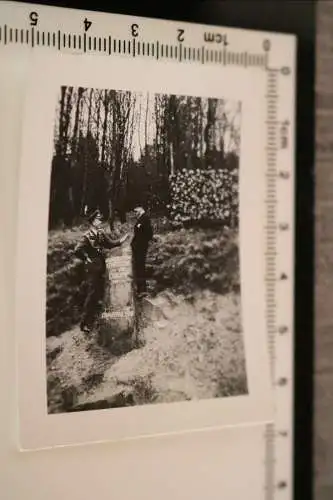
(91, 251)
(143, 234)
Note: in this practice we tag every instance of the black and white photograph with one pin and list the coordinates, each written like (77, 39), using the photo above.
(143, 277)
(144, 295)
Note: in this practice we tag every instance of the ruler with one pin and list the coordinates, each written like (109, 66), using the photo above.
(28, 26)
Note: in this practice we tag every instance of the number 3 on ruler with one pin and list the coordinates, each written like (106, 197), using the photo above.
(135, 30)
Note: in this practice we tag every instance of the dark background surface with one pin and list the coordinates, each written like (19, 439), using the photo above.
(289, 16)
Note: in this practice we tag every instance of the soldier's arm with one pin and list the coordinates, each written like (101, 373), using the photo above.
(81, 250)
(110, 242)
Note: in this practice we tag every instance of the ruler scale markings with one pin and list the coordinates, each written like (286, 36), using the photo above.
(224, 56)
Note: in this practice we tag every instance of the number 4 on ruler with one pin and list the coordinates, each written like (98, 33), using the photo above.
(87, 24)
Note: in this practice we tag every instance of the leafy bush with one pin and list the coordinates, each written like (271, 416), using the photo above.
(198, 195)
(188, 260)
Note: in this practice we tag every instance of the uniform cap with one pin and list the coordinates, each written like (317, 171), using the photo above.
(96, 214)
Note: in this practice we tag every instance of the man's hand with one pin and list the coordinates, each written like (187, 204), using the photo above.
(124, 238)
(88, 260)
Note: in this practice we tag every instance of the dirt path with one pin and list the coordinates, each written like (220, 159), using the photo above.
(189, 350)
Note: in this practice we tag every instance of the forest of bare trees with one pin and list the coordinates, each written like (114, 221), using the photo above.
(114, 149)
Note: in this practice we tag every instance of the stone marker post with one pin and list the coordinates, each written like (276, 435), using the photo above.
(117, 322)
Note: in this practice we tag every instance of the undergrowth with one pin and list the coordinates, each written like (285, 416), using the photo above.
(192, 259)
(182, 260)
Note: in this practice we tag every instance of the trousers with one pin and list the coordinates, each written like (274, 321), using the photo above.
(139, 269)
(95, 281)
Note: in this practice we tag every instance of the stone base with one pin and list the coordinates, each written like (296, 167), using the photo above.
(117, 330)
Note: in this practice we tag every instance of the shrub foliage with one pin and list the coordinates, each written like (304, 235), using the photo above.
(195, 259)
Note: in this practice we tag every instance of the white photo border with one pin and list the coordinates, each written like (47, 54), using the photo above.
(48, 72)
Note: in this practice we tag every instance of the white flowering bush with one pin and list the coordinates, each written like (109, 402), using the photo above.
(198, 195)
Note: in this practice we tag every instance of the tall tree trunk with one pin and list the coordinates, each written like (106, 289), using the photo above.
(98, 117)
(86, 159)
(105, 122)
(59, 147)
(67, 118)
(76, 124)
(67, 195)
(210, 132)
